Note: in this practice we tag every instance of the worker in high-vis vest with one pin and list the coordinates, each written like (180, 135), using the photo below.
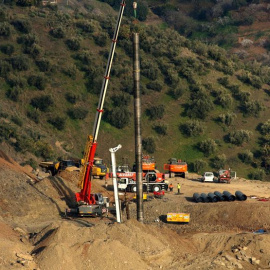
(178, 188)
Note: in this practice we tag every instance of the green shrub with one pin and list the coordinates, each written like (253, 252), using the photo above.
(118, 117)
(199, 165)
(86, 57)
(58, 122)
(200, 107)
(150, 72)
(22, 26)
(265, 128)
(246, 156)
(77, 113)
(57, 32)
(208, 147)
(101, 39)
(192, 128)
(71, 97)
(243, 96)
(5, 68)
(73, 44)
(27, 40)
(224, 81)
(86, 26)
(17, 81)
(71, 71)
(177, 92)
(121, 100)
(224, 99)
(156, 112)
(33, 50)
(161, 129)
(33, 115)
(258, 174)
(219, 161)
(240, 136)
(43, 149)
(5, 30)
(149, 145)
(156, 86)
(14, 93)
(227, 118)
(42, 102)
(43, 64)
(252, 108)
(16, 120)
(7, 132)
(20, 63)
(7, 49)
(31, 162)
(37, 81)
(250, 79)
(27, 3)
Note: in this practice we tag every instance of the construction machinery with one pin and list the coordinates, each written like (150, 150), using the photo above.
(176, 168)
(224, 176)
(129, 184)
(148, 164)
(64, 165)
(99, 168)
(178, 217)
(89, 204)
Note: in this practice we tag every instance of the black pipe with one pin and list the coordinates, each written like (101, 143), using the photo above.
(228, 196)
(204, 197)
(213, 197)
(240, 196)
(197, 198)
(220, 196)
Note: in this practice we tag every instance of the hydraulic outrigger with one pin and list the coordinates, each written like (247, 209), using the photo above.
(94, 204)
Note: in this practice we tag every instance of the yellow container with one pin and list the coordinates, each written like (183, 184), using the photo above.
(144, 197)
(178, 217)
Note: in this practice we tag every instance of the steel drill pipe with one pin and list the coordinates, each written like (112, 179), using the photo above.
(228, 196)
(137, 124)
(205, 198)
(213, 197)
(219, 195)
(197, 198)
(240, 196)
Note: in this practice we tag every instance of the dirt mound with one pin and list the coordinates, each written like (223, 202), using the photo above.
(35, 233)
(138, 246)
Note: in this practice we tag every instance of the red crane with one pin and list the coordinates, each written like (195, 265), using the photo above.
(93, 204)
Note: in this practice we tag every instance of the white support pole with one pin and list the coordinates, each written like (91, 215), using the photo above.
(116, 196)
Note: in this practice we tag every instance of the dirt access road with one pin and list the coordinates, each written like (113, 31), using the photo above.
(35, 234)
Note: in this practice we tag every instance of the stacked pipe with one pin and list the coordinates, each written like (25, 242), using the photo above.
(240, 196)
(228, 196)
(212, 197)
(218, 196)
(197, 198)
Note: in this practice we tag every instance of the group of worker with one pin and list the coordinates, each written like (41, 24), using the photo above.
(178, 187)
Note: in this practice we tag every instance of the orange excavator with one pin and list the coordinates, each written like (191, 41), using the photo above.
(148, 163)
(89, 204)
(176, 167)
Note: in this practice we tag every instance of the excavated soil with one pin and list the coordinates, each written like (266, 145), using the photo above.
(35, 234)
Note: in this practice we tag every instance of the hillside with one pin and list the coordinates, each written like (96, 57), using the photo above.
(242, 27)
(199, 103)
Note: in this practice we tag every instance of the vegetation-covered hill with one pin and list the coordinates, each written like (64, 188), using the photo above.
(199, 103)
